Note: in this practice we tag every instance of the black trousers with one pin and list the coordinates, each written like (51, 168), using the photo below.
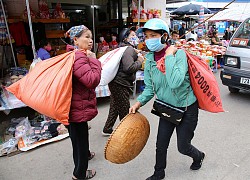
(185, 133)
(119, 104)
(79, 136)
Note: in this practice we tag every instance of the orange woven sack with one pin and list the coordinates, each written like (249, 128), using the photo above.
(204, 84)
(48, 87)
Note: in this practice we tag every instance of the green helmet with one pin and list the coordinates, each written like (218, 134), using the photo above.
(156, 24)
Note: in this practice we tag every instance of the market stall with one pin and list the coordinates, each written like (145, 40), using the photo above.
(4, 25)
(204, 50)
(23, 134)
(7, 100)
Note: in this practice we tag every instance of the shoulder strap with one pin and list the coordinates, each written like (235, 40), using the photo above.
(151, 74)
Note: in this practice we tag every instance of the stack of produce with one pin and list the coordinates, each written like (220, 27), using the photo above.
(201, 48)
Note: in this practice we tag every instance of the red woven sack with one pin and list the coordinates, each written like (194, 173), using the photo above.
(204, 84)
(48, 87)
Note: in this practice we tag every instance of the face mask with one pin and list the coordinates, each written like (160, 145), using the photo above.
(134, 41)
(113, 38)
(154, 44)
(48, 48)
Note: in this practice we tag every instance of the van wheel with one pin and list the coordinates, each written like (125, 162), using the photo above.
(233, 90)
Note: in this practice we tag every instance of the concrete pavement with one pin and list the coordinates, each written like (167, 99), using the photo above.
(225, 137)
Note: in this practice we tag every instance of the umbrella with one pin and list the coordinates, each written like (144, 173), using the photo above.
(190, 9)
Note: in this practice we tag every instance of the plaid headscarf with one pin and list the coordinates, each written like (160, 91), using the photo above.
(73, 31)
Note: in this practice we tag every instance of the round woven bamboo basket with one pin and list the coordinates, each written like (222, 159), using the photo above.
(128, 139)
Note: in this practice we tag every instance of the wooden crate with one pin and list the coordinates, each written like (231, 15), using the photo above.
(21, 58)
(55, 34)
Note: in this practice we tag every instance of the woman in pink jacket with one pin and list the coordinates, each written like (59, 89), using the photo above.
(86, 76)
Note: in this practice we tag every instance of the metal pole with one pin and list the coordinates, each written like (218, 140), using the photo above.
(120, 15)
(139, 12)
(129, 10)
(8, 31)
(93, 19)
(31, 29)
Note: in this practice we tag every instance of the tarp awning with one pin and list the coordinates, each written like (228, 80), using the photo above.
(232, 14)
(175, 1)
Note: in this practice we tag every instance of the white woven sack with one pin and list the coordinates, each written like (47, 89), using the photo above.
(110, 64)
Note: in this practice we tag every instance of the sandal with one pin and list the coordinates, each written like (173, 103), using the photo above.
(89, 174)
(76, 178)
(92, 155)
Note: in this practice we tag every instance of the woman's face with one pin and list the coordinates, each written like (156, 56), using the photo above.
(48, 47)
(85, 41)
(151, 34)
(132, 34)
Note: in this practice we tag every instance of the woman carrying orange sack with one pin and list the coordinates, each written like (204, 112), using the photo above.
(166, 76)
(86, 77)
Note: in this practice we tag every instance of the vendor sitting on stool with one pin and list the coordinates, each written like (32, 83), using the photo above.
(44, 49)
(215, 39)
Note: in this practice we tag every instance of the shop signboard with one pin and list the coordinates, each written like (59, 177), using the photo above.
(176, 25)
(221, 27)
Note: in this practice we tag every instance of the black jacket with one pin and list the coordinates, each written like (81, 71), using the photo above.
(182, 31)
(129, 65)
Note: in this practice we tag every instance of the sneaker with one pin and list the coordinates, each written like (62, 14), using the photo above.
(154, 177)
(107, 132)
(196, 165)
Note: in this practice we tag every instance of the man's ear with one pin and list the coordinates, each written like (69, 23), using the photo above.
(164, 38)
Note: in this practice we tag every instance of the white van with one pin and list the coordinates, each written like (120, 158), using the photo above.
(236, 72)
